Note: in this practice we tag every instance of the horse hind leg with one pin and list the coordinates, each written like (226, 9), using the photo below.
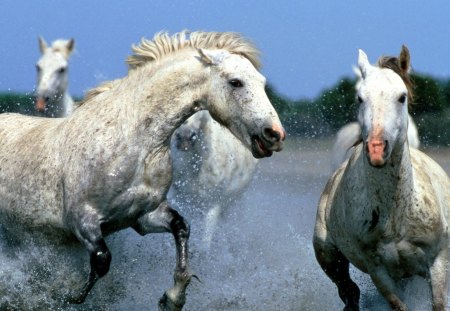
(211, 221)
(336, 267)
(438, 279)
(88, 231)
(166, 219)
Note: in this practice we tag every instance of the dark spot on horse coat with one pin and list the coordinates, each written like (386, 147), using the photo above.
(148, 122)
(375, 219)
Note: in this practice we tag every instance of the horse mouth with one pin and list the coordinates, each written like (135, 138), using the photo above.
(377, 153)
(259, 149)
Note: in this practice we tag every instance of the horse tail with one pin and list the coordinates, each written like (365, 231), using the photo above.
(347, 137)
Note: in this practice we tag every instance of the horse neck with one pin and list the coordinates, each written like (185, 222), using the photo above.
(392, 185)
(153, 101)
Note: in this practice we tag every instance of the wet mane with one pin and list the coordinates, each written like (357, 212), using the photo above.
(393, 63)
(163, 44)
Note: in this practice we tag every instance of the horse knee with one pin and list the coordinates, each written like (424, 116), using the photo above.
(179, 226)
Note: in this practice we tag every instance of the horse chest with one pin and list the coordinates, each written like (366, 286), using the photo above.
(402, 258)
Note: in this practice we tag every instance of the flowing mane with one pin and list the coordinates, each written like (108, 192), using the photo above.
(393, 63)
(164, 44)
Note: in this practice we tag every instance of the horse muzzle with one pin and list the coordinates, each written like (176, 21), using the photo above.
(377, 152)
(41, 104)
(270, 140)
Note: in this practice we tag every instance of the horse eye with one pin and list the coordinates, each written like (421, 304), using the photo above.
(61, 70)
(360, 100)
(236, 83)
(402, 99)
(38, 68)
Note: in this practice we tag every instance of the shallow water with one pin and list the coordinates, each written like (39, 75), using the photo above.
(261, 257)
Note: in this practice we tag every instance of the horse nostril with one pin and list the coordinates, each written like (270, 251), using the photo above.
(271, 135)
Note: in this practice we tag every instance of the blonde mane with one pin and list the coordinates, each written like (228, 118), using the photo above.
(163, 44)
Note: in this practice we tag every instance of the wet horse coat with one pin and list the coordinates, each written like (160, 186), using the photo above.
(107, 166)
(386, 210)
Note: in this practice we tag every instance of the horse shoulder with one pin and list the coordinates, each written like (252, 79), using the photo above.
(432, 189)
(327, 207)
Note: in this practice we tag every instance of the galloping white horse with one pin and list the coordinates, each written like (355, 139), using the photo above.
(211, 167)
(52, 97)
(349, 136)
(107, 166)
(386, 210)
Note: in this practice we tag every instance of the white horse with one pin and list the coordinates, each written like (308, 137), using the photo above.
(349, 136)
(107, 166)
(52, 96)
(211, 167)
(386, 210)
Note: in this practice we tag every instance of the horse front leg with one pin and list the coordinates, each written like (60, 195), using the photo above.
(438, 279)
(166, 219)
(86, 226)
(336, 267)
(387, 287)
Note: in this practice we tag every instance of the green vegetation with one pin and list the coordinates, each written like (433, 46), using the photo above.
(336, 106)
(333, 108)
(13, 102)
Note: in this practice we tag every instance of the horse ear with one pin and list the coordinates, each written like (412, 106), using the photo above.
(70, 45)
(404, 60)
(357, 72)
(42, 45)
(211, 57)
(363, 63)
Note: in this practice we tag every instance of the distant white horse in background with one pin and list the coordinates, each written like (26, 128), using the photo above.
(52, 96)
(107, 166)
(211, 167)
(349, 136)
(387, 210)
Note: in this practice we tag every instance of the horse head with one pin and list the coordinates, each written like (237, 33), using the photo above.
(383, 112)
(52, 77)
(237, 100)
(187, 135)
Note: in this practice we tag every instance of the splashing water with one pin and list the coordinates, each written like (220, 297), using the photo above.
(261, 257)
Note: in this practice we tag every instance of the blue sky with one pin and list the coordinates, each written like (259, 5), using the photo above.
(306, 45)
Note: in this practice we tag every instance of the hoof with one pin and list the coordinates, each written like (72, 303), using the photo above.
(167, 304)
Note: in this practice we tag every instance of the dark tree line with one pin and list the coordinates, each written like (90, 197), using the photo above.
(333, 108)
(336, 106)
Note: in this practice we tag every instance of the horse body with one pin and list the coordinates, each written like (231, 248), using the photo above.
(52, 97)
(211, 167)
(386, 209)
(107, 166)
